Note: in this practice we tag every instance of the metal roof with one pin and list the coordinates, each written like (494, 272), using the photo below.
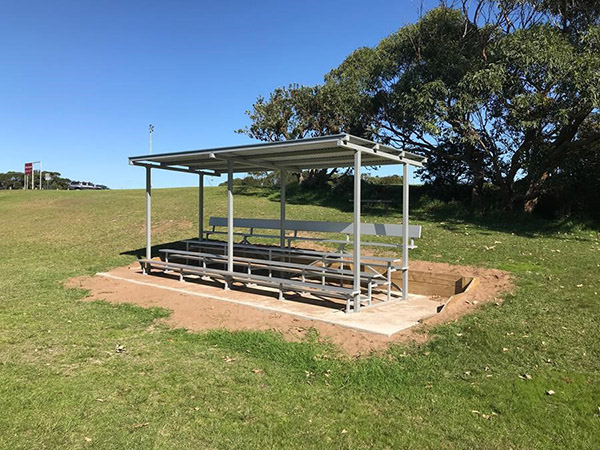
(294, 155)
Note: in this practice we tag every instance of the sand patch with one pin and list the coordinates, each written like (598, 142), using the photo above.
(199, 314)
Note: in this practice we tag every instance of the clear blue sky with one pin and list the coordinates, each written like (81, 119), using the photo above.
(81, 80)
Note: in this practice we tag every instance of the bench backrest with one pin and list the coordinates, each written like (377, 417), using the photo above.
(371, 229)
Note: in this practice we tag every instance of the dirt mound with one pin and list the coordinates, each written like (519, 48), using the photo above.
(210, 314)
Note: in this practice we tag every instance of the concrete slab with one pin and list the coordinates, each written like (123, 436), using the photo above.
(385, 319)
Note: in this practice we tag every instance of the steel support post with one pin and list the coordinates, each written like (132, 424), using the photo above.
(282, 175)
(405, 239)
(201, 207)
(230, 216)
(148, 213)
(356, 229)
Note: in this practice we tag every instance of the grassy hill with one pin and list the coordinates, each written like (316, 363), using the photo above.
(62, 384)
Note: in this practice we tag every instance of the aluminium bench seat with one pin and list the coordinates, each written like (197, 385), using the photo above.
(386, 265)
(300, 267)
(370, 279)
(289, 239)
(282, 284)
(280, 265)
(296, 226)
(334, 256)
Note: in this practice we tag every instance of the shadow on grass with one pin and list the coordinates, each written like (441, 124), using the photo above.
(453, 215)
(141, 252)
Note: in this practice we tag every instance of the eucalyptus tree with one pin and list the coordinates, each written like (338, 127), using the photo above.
(504, 93)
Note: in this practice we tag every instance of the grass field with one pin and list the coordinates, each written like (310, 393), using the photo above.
(63, 384)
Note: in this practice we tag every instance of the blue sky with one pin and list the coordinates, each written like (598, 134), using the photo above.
(81, 80)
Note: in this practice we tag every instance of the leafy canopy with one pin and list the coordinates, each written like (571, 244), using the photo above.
(505, 93)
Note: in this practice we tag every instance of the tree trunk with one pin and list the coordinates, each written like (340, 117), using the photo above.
(476, 165)
(477, 189)
(532, 197)
(508, 194)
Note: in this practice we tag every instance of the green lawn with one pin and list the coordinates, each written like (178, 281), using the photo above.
(63, 384)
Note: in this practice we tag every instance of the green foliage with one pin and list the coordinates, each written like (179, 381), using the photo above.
(12, 180)
(293, 113)
(507, 98)
(383, 181)
(15, 180)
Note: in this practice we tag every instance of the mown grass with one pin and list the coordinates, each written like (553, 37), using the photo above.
(63, 384)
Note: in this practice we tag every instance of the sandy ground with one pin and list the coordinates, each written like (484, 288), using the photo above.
(189, 313)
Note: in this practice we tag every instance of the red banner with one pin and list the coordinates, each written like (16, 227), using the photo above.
(28, 168)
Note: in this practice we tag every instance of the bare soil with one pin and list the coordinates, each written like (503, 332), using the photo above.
(212, 314)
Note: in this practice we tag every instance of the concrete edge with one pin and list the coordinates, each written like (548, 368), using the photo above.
(251, 305)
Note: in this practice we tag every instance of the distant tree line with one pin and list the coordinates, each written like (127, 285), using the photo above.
(16, 180)
(502, 96)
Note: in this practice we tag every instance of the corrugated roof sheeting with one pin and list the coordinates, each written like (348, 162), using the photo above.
(311, 153)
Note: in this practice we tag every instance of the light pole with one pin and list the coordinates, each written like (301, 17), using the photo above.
(150, 130)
